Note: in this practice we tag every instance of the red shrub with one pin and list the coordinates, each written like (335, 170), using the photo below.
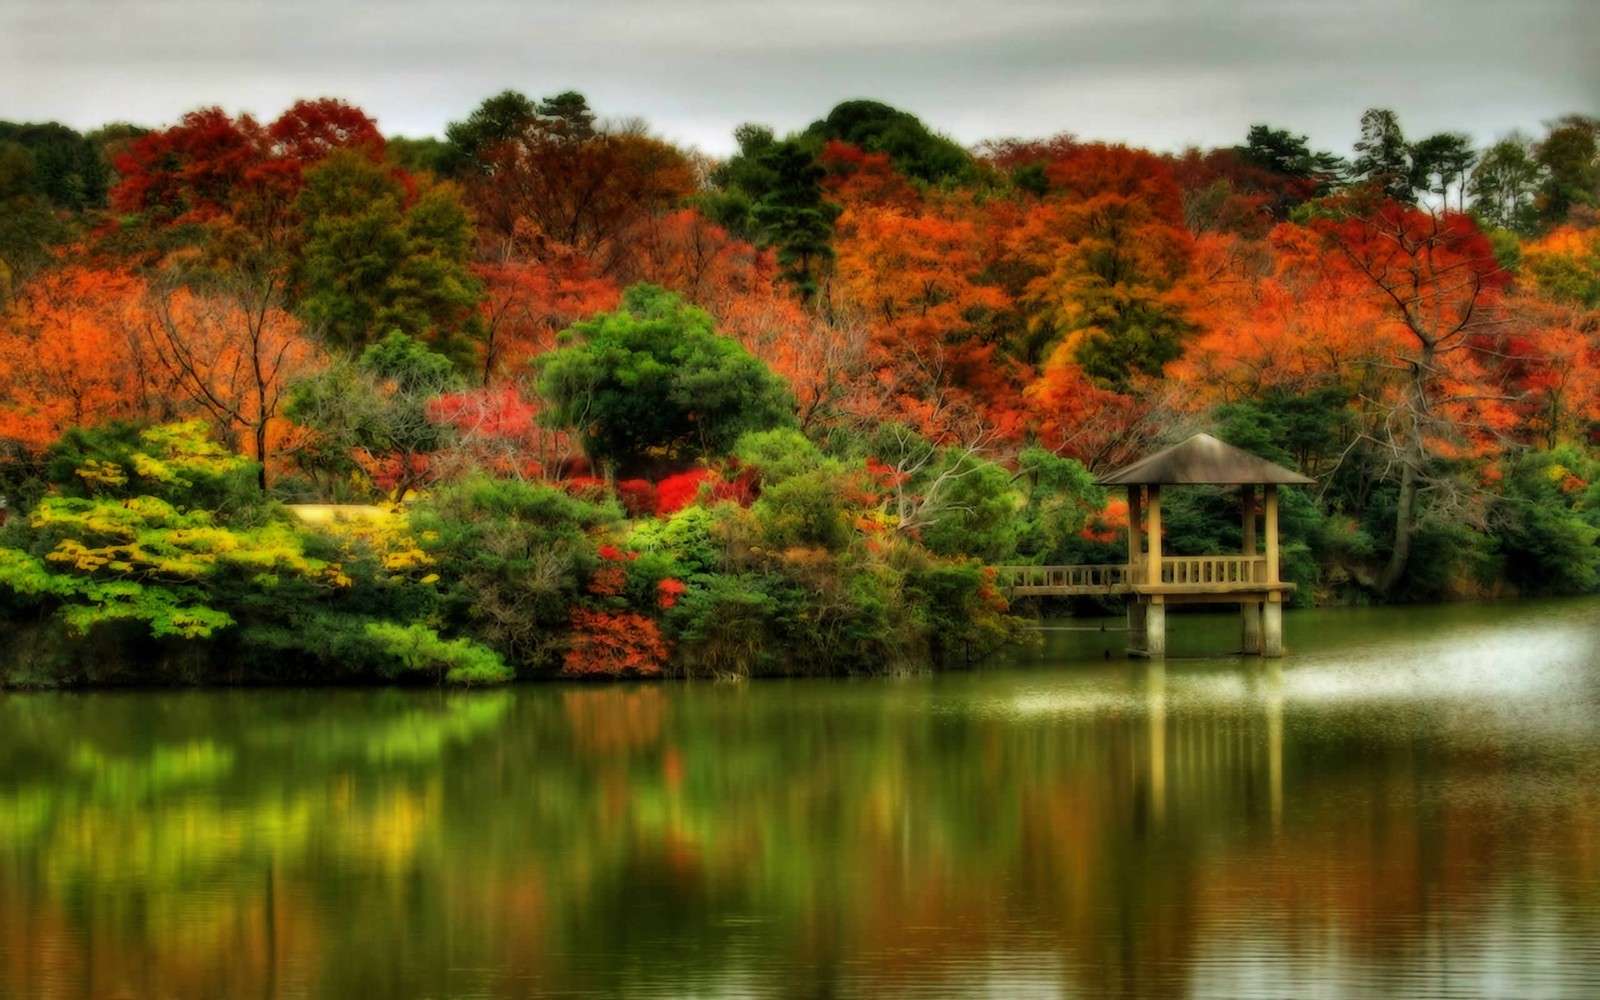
(613, 644)
(669, 589)
(676, 492)
(638, 497)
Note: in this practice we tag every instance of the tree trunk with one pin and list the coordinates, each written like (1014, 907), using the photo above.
(1413, 452)
(261, 455)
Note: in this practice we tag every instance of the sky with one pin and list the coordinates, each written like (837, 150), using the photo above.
(1163, 74)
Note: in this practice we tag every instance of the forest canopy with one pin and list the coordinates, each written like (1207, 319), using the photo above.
(825, 380)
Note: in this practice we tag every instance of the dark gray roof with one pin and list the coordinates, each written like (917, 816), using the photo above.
(1202, 459)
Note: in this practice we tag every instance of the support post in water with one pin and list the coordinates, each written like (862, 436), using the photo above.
(1250, 628)
(1272, 626)
(1136, 624)
(1155, 628)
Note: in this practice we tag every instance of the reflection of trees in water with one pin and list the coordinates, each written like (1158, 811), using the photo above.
(171, 844)
(693, 838)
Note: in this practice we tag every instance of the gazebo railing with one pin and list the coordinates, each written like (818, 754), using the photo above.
(1111, 577)
(1195, 573)
(1208, 571)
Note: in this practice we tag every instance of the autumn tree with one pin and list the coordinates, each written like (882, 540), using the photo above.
(1437, 280)
(546, 174)
(70, 357)
(527, 302)
(1110, 255)
(233, 355)
(918, 280)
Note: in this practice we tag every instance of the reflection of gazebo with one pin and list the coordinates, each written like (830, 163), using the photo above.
(1152, 581)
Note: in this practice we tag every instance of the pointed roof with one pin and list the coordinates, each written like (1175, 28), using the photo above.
(1202, 459)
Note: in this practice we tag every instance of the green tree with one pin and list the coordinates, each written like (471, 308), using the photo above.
(913, 149)
(1383, 157)
(498, 119)
(741, 181)
(1570, 159)
(653, 379)
(1441, 162)
(370, 264)
(29, 226)
(1503, 184)
(793, 217)
(68, 169)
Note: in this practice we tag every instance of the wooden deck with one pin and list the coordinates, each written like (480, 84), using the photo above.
(1181, 576)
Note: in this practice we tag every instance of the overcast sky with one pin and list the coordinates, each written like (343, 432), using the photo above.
(1158, 73)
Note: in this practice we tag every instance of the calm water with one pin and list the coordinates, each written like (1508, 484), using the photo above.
(1407, 805)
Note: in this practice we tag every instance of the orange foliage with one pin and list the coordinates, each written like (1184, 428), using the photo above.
(1108, 255)
(687, 253)
(528, 301)
(857, 179)
(1073, 416)
(613, 644)
(70, 356)
(232, 360)
(917, 281)
(1278, 316)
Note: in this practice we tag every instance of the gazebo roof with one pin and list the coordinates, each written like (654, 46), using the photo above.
(1202, 459)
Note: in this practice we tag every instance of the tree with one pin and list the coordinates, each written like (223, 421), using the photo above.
(1503, 184)
(1436, 277)
(68, 170)
(374, 415)
(1280, 152)
(233, 355)
(371, 263)
(69, 357)
(793, 218)
(191, 172)
(917, 278)
(1570, 158)
(30, 228)
(1110, 256)
(526, 303)
(1441, 162)
(499, 119)
(1383, 157)
(911, 147)
(653, 379)
(552, 182)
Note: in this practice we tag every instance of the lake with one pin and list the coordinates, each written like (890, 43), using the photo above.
(1408, 804)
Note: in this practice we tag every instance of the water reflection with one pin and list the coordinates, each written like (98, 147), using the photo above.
(1407, 804)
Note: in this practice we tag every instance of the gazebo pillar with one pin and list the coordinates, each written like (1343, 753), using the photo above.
(1136, 633)
(1249, 611)
(1155, 615)
(1272, 617)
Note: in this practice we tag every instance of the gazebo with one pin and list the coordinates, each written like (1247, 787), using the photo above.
(1250, 579)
